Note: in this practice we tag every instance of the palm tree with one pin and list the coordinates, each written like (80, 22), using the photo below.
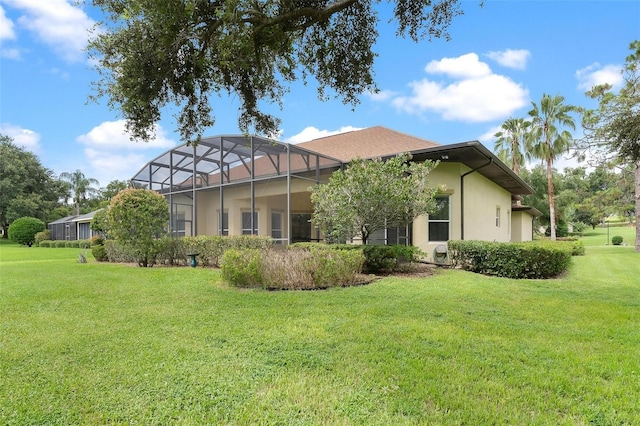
(548, 140)
(510, 143)
(81, 187)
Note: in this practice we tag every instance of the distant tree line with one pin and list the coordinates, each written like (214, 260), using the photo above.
(28, 189)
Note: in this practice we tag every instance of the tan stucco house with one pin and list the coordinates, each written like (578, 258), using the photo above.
(237, 184)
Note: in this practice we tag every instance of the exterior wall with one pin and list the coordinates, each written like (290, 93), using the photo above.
(270, 197)
(482, 198)
(521, 226)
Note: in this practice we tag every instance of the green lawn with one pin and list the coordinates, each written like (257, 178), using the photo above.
(102, 343)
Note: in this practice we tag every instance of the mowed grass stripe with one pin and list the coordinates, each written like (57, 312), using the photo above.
(98, 343)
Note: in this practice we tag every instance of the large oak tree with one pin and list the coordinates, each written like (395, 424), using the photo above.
(152, 53)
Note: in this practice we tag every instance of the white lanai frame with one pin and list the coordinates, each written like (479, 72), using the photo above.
(229, 160)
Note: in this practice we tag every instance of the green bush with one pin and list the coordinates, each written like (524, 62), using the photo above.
(296, 268)
(97, 240)
(120, 252)
(72, 244)
(42, 236)
(59, 244)
(210, 248)
(84, 244)
(543, 259)
(377, 258)
(138, 218)
(578, 248)
(46, 243)
(616, 240)
(99, 253)
(23, 231)
(241, 268)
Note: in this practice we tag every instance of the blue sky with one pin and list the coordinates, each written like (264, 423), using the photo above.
(500, 58)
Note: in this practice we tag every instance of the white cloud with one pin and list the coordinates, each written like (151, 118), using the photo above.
(311, 133)
(596, 74)
(58, 23)
(489, 135)
(112, 135)
(22, 137)
(108, 166)
(10, 53)
(381, 96)
(510, 58)
(112, 155)
(6, 27)
(491, 97)
(473, 93)
(465, 66)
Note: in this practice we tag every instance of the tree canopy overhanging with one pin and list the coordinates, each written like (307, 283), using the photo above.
(155, 53)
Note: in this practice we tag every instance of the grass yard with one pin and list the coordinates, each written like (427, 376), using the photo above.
(114, 344)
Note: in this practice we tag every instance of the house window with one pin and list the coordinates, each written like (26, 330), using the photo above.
(84, 231)
(497, 216)
(179, 225)
(390, 236)
(276, 226)
(225, 223)
(246, 223)
(439, 220)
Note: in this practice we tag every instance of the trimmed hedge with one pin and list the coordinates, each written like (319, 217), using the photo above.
(616, 240)
(83, 244)
(295, 268)
(378, 258)
(542, 259)
(42, 236)
(173, 251)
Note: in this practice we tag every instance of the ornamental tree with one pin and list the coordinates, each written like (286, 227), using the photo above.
(371, 195)
(151, 54)
(137, 218)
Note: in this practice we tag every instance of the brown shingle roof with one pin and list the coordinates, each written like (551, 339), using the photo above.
(372, 142)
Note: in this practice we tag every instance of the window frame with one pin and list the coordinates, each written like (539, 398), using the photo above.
(447, 221)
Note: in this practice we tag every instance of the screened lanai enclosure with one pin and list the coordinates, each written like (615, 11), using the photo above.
(239, 184)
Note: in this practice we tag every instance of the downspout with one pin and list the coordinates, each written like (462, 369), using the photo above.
(462, 194)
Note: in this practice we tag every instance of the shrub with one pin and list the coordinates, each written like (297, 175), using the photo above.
(120, 252)
(577, 248)
(241, 268)
(59, 244)
(84, 244)
(97, 240)
(23, 231)
(616, 240)
(377, 258)
(42, 236)
(137, 218)
(512, 260)
(171, 251)
(99, 253)
(72, 244)
(296, 268)
(46, 243)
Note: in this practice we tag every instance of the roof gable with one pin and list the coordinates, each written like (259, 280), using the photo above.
(372, 142)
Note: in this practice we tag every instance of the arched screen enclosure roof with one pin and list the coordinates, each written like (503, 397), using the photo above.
(227, 159)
